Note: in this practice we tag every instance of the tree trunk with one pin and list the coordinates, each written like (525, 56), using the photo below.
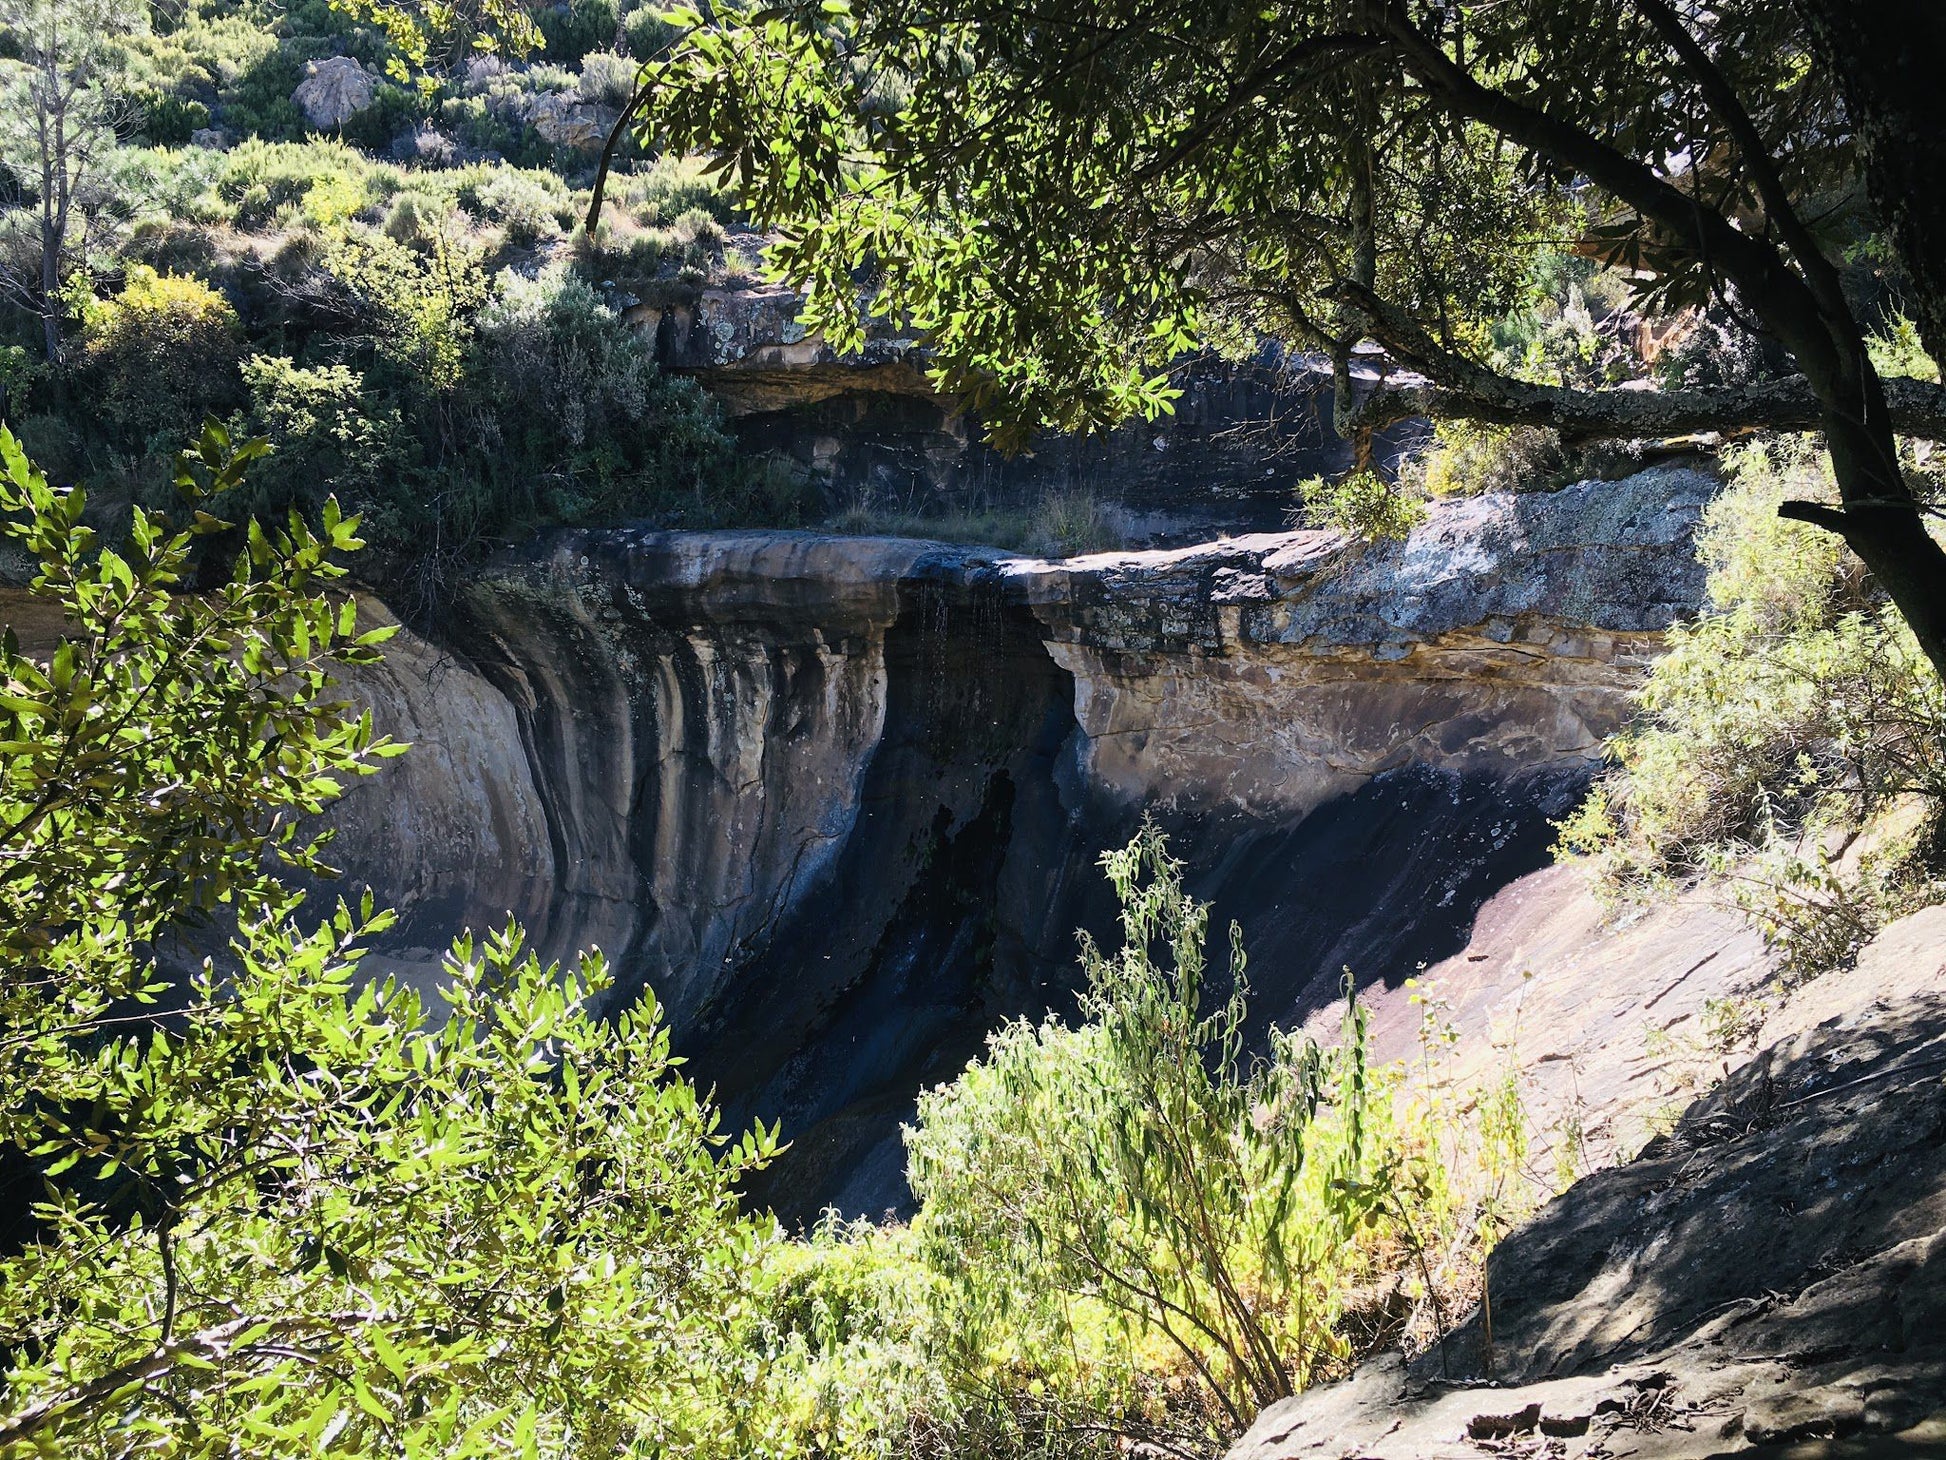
(51, 297)
(1889, 59)
(1879, 519)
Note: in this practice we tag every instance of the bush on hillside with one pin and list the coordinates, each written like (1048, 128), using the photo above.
(162, 353)
(261, 178)
(327, 436)
(1794, 711)
(288, 1209)
(416, 303)
(606, 78)
(617, 437)
(1362, 505)
(1140, 1176)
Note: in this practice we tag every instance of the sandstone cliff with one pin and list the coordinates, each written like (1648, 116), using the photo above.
(868, 427)
(837, 800)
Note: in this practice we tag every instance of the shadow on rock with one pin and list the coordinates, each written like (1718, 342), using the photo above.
(1769, 1277)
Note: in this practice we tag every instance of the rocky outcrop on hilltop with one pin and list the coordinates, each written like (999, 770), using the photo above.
(837, 800)
(333, 91)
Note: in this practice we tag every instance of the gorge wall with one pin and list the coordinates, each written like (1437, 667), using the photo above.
(869, 429)
(837, 800)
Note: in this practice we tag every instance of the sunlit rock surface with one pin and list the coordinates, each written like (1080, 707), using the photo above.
(1767, 1278)
(837, 800)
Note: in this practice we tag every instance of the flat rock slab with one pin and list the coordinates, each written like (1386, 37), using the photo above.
(1770, 1278)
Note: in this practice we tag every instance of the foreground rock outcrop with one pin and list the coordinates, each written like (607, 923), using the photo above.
(838, 800)
(1768, 1278)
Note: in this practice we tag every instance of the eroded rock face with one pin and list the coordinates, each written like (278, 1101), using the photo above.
(837, 800)
(1268, 673)
(870, 427)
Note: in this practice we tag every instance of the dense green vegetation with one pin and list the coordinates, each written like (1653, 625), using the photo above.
(384, 299)
(1792, 743)
(273, 1205)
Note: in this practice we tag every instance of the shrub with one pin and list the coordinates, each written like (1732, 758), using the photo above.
(1363, 505)
(168, 120)
(671, 187)
(572, 30)
(1464, 459)
(617, 437)
(1796, 709)
(259, 178)
(606, 78)
(161, 353)
(283, 1211)
(394, 109)
(647, 33)
(528, 205)
(1139, 1175)
(327, 436)
(1898, 350)
(1067, 523)
(418, 303)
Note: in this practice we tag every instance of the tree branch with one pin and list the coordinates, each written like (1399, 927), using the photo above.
(1918, 408)
(1459, 388)
(1782, 297)
(1722, 99)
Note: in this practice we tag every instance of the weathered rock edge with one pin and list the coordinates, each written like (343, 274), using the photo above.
(656, 741)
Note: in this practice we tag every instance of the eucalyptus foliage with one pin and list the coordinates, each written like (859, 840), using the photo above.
(1064, 199)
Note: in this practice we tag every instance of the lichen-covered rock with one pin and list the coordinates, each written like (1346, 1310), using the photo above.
(1266, 673)
(563, 120)
(333, 91)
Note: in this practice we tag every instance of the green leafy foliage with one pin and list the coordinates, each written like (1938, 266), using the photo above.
(218, 703)
(1793, 713)
(1141, 1170)
(285, 1211)
(161, 352)
(326, 436)
(1362, 505)
(1464, 459)
(433, 35)
(1061, 201)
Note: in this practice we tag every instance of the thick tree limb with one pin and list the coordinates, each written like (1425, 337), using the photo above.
(1723, 100)
(1459, 388)
(1780, 296)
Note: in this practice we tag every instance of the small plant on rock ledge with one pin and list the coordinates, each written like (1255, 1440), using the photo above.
(1362, 505)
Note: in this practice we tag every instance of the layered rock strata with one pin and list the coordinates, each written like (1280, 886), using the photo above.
(836, 800)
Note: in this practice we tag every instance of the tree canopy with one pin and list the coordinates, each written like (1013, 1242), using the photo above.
(1065, 198)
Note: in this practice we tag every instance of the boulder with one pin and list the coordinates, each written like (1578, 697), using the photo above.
(333, 91)
(564, 121)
